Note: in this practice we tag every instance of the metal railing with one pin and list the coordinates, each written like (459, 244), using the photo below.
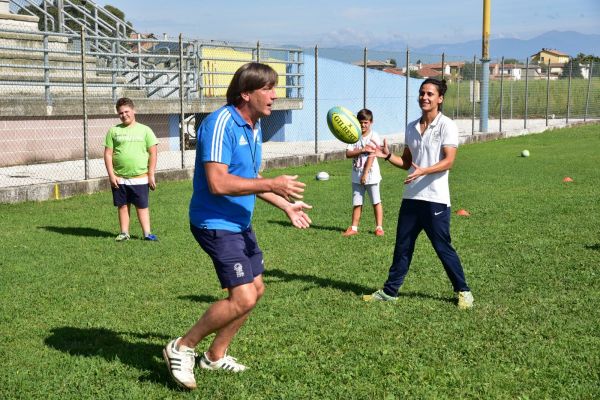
(150, 65)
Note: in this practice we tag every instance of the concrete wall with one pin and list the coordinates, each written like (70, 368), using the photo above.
(34, 140)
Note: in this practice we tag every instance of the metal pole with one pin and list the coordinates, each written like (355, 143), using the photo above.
(47, 71)
(443, 64)
(181, 114)
(61, 17)
(511, 99)
(526, 92)
(587, 96)
(569, 91)
(258, 51)
(501, 93)
(365, 60)
(457, 93)
(84, 107)
(485, 68)
(547, 92)
(473, 95)
(406, 91)
(317, 99)
(139, 57)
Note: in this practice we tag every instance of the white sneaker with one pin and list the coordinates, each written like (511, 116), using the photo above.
(465, 300)
(227, 363)
(180, 363)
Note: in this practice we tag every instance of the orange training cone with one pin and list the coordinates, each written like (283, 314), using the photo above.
(463, 213)
(568, 179)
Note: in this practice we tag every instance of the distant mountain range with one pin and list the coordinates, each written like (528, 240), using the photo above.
(568, 42)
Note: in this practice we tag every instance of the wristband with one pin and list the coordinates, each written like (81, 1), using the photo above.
(387, 158)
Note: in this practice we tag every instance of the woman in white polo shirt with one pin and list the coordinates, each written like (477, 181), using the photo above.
(430, 148)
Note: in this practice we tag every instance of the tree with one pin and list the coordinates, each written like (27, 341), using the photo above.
(575, 73)
(468, 71)
(393, 62)
(586, 60)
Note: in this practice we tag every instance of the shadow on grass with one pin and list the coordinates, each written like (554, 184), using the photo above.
(312, 226)
(595, 246)
(199, 299)
(77, 231)
(100, 342)
(322, 282)
(358, 290)
(419, 295)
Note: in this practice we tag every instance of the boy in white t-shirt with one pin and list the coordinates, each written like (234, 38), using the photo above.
(365, 174)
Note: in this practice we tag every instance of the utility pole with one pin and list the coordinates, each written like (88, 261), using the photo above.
(485, 68)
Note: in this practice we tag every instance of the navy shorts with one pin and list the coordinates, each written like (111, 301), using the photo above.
(235, 255)
(131, 194)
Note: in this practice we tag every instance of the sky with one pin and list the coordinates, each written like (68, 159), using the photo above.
(330, 23)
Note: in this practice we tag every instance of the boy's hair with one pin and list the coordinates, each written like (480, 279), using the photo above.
(249, 77)
(364, 115)
(441, 85)
(124, 101)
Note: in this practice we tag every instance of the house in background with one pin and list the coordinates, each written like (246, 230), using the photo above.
(509, 71)
(378, 65)
(550, 55)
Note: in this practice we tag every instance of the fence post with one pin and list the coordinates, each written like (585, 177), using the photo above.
(457, 93)
(587, 96)
(139, 57)
(473, 95)
(47, 71)
(258, 51)
(547, 92)
(569, 91)
(86, 167)
(317, 99)
(526, 92)
(61, 17)
(181, 114)
(443, 64)
(501, 93)
(365, 60)
(406, 91)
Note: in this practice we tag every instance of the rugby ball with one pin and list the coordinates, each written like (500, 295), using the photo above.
(343, 124)
(322, 176)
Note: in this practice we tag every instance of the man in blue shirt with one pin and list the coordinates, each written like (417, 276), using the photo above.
(226, 183)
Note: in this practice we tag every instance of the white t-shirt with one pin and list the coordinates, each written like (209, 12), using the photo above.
(358, 162)
(426, 151)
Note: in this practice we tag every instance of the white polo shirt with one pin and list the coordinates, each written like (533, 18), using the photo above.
(358, 163)
(426, 151)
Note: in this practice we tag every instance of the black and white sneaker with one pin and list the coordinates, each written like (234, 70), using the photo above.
(180, 363)
(226, 363)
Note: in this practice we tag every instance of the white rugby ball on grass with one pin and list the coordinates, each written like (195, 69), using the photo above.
(322, 176)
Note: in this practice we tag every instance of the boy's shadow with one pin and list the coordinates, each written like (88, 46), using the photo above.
(110, 345)
(77, 231)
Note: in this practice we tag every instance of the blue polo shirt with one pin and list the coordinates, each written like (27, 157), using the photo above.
(225, 137)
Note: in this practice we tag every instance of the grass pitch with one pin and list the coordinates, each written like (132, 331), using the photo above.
(83, 317)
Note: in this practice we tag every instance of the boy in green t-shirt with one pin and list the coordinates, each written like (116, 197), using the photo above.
(130, 159)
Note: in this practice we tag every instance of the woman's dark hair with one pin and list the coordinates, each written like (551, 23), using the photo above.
(441, 85)
(249, 77)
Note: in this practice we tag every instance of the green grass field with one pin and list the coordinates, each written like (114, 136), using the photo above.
(83, 317)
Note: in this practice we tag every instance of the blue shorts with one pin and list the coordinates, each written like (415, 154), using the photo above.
(127, 193)
(235, 255)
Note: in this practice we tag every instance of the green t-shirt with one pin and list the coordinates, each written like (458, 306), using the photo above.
(130, 146)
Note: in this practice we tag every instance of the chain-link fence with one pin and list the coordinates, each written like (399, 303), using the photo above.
(57, 95)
